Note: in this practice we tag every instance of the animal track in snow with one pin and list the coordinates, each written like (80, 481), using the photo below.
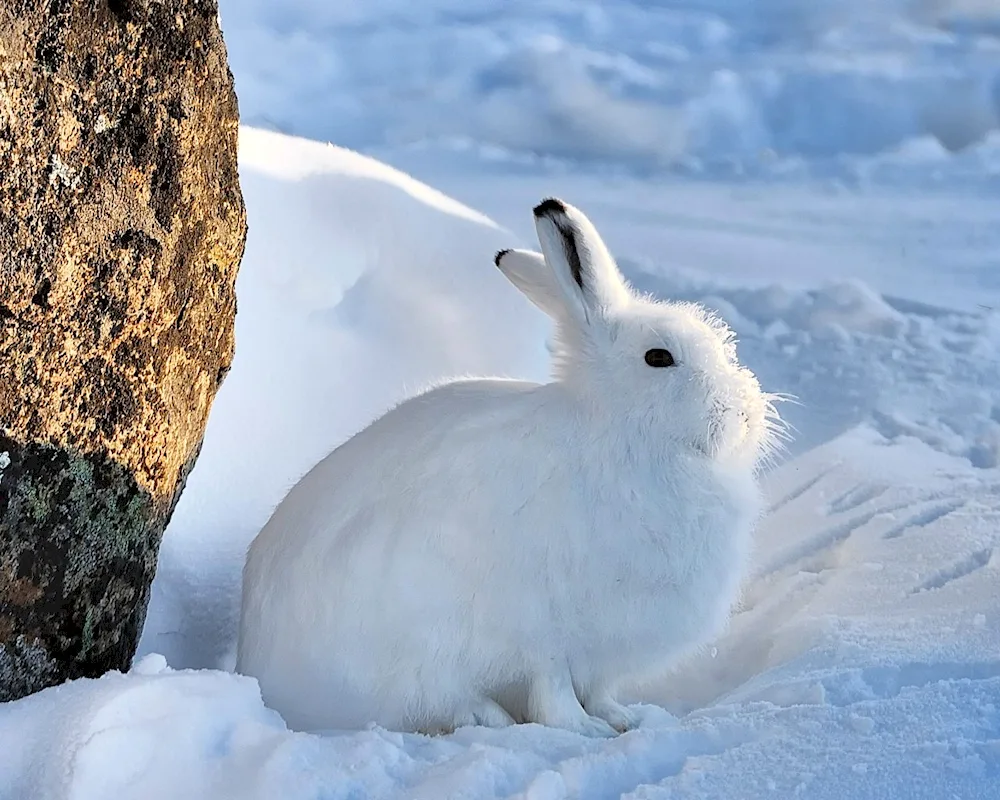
(855, 497)
(819, 546)
(828, 538)
(960, 569)
(924, 518)
(798, 491)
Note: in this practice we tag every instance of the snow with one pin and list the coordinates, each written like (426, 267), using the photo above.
(824, 174)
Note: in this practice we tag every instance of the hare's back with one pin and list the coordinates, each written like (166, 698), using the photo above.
(419, 454)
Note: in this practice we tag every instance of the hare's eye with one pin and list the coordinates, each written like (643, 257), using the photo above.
(657, 357)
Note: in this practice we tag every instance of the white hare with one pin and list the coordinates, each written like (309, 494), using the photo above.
(494, 551)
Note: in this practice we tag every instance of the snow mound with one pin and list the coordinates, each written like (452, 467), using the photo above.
(359, 286)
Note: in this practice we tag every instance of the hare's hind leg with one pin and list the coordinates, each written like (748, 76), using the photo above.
(552, 701)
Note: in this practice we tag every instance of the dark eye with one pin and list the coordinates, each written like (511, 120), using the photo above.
(658, 357)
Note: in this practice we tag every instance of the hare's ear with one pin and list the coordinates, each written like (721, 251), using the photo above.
(578, 261)
(528, 271)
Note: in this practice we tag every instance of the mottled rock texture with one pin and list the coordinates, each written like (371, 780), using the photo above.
(121, 230)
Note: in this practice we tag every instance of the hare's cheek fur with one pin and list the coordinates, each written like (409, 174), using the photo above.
(728, 432)
(734, 422)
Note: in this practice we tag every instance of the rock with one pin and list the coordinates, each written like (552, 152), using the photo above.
(121, 231)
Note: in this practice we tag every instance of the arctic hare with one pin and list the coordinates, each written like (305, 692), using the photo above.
(493, 551)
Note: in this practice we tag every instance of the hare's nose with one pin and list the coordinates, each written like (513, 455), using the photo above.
(734, 417)
(725, 410)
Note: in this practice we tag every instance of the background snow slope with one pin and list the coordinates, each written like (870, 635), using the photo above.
(825, 174)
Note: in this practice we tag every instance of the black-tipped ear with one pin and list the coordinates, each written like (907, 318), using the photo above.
(580, 261)
(550, 205)
(555, 211)
(528, 271)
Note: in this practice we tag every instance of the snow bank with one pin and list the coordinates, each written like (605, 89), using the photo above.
(359, 286)
(152, 734)
(708, 84)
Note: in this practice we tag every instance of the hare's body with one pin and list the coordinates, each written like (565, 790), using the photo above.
(407, 631)
(495, 551)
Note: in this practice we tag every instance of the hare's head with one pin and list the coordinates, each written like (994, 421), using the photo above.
(666, 370)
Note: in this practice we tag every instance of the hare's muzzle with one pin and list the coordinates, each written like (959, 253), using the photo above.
(727, 430)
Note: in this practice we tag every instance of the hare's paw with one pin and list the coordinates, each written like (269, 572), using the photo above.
(593, 727)
(578, 721)
(553, 702)
(614, 713)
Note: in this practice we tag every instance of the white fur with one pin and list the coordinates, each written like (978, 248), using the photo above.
(495, 550)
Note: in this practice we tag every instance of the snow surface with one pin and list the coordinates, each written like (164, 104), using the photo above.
(788, 163)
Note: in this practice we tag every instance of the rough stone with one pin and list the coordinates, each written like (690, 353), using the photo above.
(121, 231)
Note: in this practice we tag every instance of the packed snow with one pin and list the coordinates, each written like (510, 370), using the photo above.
(824, 174)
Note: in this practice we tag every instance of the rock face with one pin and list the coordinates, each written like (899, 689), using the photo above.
(121, 231)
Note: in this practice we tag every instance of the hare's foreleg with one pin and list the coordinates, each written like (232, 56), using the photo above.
(552, 701)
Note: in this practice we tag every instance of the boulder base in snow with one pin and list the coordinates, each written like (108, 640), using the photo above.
(121, 230)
